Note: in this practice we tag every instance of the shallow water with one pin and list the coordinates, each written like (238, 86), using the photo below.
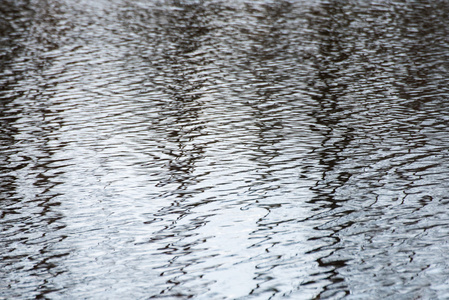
(224, 149)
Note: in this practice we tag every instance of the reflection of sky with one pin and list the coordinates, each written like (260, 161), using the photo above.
(223, 150)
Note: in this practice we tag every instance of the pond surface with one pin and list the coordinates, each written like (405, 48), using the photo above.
(224, 149)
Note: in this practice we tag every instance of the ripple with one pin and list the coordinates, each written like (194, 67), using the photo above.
(223, 150)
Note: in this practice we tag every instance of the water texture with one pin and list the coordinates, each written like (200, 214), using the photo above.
(224, 149)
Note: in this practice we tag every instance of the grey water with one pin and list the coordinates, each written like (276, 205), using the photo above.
(224, 149)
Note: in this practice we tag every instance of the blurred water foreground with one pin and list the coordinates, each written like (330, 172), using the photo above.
(224, 149)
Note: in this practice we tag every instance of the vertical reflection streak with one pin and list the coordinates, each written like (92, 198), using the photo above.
(365, 67)
(32, 225)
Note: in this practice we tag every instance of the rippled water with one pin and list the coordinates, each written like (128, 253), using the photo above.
(224, 149)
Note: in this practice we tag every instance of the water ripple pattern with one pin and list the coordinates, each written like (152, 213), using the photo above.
(224, 149)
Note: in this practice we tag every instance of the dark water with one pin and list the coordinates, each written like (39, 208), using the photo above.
(224, 149)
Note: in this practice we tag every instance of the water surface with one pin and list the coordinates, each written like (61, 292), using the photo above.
(224, 149)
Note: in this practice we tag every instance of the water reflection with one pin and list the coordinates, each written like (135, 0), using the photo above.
(30, 220)
(375, 132)
(220, 150)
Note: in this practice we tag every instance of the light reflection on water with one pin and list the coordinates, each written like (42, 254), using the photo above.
(223, 150)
